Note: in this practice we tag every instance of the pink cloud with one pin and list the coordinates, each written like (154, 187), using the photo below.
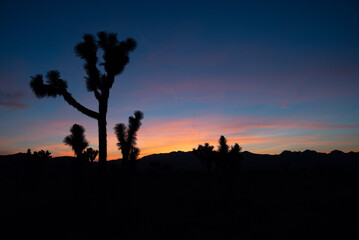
(13, 105)
(12, 100)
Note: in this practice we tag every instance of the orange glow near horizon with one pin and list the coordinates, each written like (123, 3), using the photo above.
(185, 134)
(268, 136)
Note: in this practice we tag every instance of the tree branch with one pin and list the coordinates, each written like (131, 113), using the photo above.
(97, 94)
(70, 100)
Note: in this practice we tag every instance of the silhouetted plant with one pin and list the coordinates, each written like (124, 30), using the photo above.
(127, 136)
(226, 158)
(235, 158)
(223, 147)
(235, 150)
(35, 167)
(40, 155)
(90, 154)
(206, 155)
(43, 155)
(77, 139)
(115, 58)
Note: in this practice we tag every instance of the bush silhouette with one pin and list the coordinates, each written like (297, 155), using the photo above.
(115, 58)
(206, 154)
(40, 155)
(223, 147)
(127, 136)
(90, 154)
(226, 158)
(77, 139)
(35, 163)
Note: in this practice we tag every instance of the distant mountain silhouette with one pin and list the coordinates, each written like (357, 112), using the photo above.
(252, 161)
(187, 161)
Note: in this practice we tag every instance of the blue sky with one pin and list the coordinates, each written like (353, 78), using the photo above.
(270, 76)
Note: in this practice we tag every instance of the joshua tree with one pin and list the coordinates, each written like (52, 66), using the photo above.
(206, 155)
(127, 136)
(115, 57)
(223, 147)
(77, 139)
(226, 158)
(229, 156)
(235, 150)
(90, 154)
(42, 155)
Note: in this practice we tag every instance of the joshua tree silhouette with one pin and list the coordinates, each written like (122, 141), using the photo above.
(77, 139)
(115, 57)
(42, 155)
(127, 136)
(223, 147)
(227, 158)
(90, 154)
(206, 155)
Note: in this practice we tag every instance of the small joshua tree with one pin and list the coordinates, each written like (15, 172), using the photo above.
(226, 158)
(77, 139)
(42, 155)
(127, 136)
(235, 155)
(223, 147)
(90, 154)
(229, 156)
(205, 154)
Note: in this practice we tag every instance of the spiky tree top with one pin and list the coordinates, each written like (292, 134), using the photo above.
(115, 58)
(127, 136)
(77, 139)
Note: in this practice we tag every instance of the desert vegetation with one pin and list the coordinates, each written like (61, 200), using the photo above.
(127, 137)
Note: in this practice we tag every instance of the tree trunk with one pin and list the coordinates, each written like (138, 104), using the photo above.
(102, 139)
(102, 132)
(102, 170)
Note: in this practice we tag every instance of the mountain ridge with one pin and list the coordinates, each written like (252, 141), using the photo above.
(187, 161)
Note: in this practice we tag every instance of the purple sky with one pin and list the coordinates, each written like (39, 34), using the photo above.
(271, 76)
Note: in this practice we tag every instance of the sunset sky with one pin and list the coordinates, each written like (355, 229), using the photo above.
(271, 76)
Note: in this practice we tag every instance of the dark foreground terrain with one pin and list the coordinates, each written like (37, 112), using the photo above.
(294, 195)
